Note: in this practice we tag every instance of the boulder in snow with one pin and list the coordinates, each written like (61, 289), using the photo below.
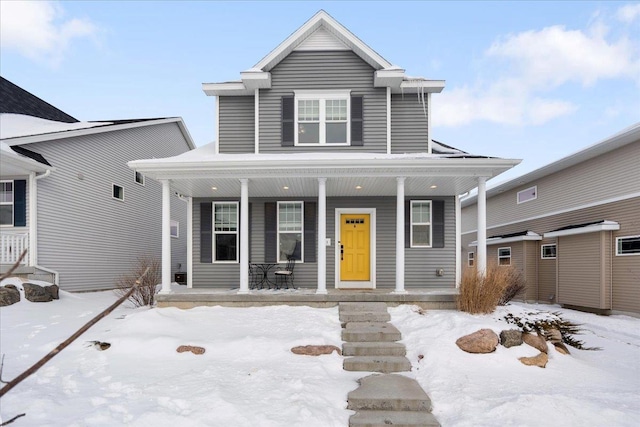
(315, 350)
(482, 341)
(192, 348)
(540, 360)
(9, 295)
(511, 338)
(536, 341)
(36, 293)
(54, 291)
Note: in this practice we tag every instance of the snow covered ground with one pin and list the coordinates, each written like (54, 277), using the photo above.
(249, 377)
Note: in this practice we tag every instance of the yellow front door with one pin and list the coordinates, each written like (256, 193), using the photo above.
(354, 247)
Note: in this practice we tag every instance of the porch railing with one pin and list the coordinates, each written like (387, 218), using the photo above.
(11, 246)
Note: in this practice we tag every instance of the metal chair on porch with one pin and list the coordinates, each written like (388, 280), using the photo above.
(256, 277)
(285, 275)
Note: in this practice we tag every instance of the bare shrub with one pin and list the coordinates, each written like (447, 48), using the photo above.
(480, 294)
(145, 293)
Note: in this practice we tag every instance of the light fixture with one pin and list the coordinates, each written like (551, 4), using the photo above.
(358, 187)
(433, 186)
(285, 188)
(214, 188)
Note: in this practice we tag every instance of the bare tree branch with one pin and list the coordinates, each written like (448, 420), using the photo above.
(6, 423)
(72, 338)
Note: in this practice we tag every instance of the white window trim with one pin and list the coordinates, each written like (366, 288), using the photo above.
(113, 185)
(625, 237)
(542, 251)
(322, 96)
(12, 203)
(214, 233)
(430, 224)
(301, 260)
(177, 226)
(471, 259)
(504, 257)
(534, 188)
(135, 178)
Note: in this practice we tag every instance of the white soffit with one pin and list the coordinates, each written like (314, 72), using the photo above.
(592, 228)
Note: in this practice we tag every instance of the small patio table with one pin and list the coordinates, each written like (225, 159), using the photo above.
(264, 268)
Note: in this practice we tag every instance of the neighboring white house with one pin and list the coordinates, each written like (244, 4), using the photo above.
(68, 197)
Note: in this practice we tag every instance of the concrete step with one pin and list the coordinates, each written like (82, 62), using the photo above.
(390, 392)
(394, 418)
(370, 332)
(365, 316)
(384, 364)
(373, 349)
(362, 306)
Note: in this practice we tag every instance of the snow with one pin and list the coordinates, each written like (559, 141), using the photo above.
(19, 125)
(249, 377)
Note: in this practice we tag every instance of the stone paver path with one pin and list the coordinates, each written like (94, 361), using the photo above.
(371, 346)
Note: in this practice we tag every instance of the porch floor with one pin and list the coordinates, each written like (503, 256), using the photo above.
(183, 297)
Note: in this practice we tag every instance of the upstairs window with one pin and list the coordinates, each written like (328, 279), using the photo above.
(117, 192)
(628, 245)
(139, 178)
(528, 194)
(6, 203)
(322, 118)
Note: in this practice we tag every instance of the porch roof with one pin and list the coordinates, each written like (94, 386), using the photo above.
(203, 173)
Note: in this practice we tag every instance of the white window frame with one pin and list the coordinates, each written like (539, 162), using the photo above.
(175, 224)
(535, 194)
(471, 259)
(135, 178)
(618, 245)
(322, 96)
(214, 233)
(412, 223)
(113, 187)
(501, 257)
(542, 256)
(278, 232)
(12, 202)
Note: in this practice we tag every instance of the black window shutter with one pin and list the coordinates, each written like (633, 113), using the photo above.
(407, 224)
(20, 203)
(270, 232)
(438, 224)
(250, 233)
(357, 137)
(206, 235)
(310, 219)
(288, 125)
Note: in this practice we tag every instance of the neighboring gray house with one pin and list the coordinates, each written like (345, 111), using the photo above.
(323, 154)
(572, 227)
(68, 197)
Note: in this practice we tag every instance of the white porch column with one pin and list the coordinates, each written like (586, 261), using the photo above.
(189, 242)
(482, 226)
(458, 241)
(400, 236)
(166, 236)
(244, 236)
(322, 236)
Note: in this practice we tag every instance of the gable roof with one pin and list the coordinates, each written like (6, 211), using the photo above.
(327, 30)
(626, 136)
(14, 99)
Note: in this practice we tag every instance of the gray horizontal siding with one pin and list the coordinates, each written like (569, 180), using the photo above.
(330, 70)
(87, 236)
(237, 124)
(422, 263)
(409, 129)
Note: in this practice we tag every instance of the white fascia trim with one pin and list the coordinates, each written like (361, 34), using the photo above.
(227, 88)
(95, 130)
(254, 79)
(320, 93)
(500, 240)
(322, 18)
(593, 228)
(562, 211)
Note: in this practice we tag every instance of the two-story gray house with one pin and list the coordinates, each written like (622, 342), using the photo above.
(324, 155)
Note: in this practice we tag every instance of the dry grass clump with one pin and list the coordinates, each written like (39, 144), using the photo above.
(145, 294)
(480, 294)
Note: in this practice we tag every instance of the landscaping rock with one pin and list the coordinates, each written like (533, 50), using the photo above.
(540, 360)
(561, 348)
(511, 338)
(192, 348)
(482, 341)
(315, 350)
(54, 291)
(9, 295)
(10, 286)
(555, 337)
(536, 341)
(36, 293)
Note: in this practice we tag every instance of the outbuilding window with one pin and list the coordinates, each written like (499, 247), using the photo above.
(504, 256)
(627, 245)
(548, 251)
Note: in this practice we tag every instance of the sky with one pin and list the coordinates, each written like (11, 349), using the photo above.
(527, 80)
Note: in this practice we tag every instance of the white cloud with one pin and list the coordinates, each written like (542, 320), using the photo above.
(39, 31)
(526, 66)
(628, 13)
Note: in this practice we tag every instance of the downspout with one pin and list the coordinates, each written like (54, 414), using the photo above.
(33, 222)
